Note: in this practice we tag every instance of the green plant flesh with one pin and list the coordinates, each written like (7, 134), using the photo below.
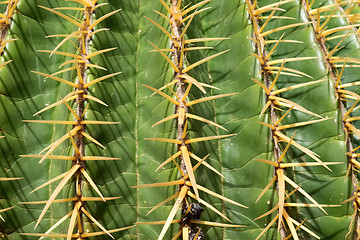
(178, 119)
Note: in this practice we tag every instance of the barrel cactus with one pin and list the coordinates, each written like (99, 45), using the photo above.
(178, 119)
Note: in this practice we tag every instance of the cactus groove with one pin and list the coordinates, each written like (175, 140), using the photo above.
(219, 105)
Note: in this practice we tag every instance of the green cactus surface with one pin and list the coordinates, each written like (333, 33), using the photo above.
(179, 119)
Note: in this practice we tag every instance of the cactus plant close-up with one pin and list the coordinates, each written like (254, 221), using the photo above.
(179, 119)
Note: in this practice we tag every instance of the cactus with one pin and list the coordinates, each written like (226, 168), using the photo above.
(272, 84)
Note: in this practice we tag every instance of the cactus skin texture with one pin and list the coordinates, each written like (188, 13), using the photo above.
(293, 142)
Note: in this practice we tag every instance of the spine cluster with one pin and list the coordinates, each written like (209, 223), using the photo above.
(77, 102)
(275, 105)
(303, 58)
(179, 20)
(323, 19)
(5, 24)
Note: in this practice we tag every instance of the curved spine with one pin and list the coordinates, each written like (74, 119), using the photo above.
(78, 135)
(275, 103)
(179, 21)
(326, 33)
(5, 24)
